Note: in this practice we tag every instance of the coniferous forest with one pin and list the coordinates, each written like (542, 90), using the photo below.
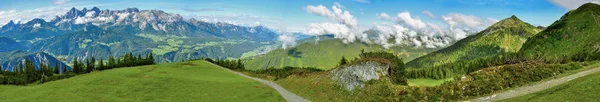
(26, 72)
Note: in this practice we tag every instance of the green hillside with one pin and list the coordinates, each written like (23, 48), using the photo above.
(507, 35)
(574, 33)
(185, 81)
(583, 89)
(325, 54)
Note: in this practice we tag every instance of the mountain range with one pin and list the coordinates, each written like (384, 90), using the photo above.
(104, 33)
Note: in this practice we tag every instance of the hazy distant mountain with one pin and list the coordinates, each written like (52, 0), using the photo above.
(103, 33)
(7, 45)
(17, 57)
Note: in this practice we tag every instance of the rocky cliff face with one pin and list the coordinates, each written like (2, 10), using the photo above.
(355, 76)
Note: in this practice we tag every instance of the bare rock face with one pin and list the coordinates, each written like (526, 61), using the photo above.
(355, 76)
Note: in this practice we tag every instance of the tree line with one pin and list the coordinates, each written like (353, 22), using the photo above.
(26, 72)
(467, 66)
(277, 73)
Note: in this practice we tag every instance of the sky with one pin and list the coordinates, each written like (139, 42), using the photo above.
(316, 17)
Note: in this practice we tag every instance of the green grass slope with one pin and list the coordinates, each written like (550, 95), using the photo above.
(325, 54)
(507, 35)
(583, 89)
(185, 81)
(575, 32)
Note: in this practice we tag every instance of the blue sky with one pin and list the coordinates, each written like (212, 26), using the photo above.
(293, 14)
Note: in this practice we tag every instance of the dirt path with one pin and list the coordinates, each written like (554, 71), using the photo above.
(534, 88)
(289, 96)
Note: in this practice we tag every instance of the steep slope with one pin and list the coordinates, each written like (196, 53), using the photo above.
(507, 35)
(325, 54)
(575, 33)
(7, 45)
(36, 58)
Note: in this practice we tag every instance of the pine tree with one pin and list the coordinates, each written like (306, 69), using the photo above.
(56, 69)
(92, 64)
(76, 67)
(64, 70)
(399, 72)
(30, 71)
(343, 61)
(111, 62)
(139, 57)
(20, 68)
(151, 58)
(101, 65)
(130, 57)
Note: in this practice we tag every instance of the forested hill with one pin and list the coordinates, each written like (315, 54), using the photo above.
(574, 36)
(507, 35)
(326, 53)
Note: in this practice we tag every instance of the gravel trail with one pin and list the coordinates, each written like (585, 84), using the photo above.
(534, 88)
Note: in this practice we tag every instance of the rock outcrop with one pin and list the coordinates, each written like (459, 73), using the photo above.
(355, 76)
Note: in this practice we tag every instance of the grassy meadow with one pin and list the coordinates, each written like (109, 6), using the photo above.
(185, 81)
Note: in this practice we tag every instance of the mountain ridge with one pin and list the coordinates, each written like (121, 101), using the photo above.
(507, 35)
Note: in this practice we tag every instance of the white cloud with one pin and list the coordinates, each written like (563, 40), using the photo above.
(345, 29)
(571, 4)
(60, 2)
(404, 17)
(409, 30)
(406, 36)
(24, 16)
(287, 38)
(428, 13)
(363, 1)
(340, 31)
(336, 13)
(384, 16)
(457, 20)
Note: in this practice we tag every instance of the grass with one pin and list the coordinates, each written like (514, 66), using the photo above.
(576, 32)
(186, 81)
(427, 82)
(507, 35)
(325, 54)
(318, 87)
(583, 89)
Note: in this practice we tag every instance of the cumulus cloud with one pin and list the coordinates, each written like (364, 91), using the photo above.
(461, 24)
(345, 29)
(395, 34)
(287, 38)
(404, 17)
(336, 13)
(60, 2)
(572, 4)
(428, 13)
(409, 30)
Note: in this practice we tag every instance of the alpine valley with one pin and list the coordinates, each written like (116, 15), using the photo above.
(104, 33)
